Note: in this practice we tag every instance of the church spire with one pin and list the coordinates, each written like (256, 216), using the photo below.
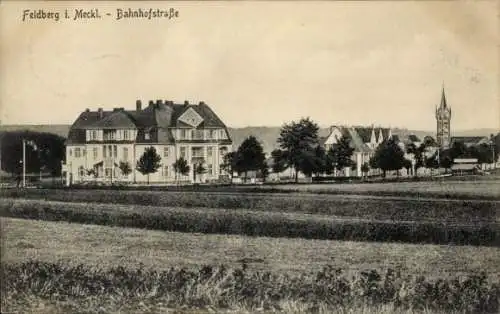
(443, 98)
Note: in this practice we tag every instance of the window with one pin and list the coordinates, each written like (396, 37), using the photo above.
(210, 169)
(209, 153)
(104, 151)
(165, 171)
(222, 134)
(77, 152)
(214, 134)
(84, 152)
(125, 135)
(95, 152)
(115, 151)
(81, 172)
(70, 152)
(185, 134)
(183, 152)
(107, 172)
(125, 153)
(165, 151)
(94, 135)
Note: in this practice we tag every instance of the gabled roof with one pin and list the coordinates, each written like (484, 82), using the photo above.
(471, 140)
(357, 142)
(118, 120)
(365, 133)
(158, 116)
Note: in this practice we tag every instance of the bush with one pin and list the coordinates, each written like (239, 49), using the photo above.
(446, 211)
(251, 223)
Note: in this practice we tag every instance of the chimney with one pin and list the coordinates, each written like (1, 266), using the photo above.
(151, 103)
(138, 105)
(87, 110)
(101, 114)
(201, 103)
(158, 103)
(186, 102)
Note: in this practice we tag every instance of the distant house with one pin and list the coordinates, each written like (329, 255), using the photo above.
(364, 140)
(470, 141)
(465, 166)
(100, 140)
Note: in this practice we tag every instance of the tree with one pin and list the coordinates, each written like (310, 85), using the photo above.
(48, 156)
(388, 156)
(229, 164)
(250, 156)
(279, 160)
(312, 161)
(458, 150)
(407, 164)
(199, 168)
(181, 167)
(149, 162)
(341, 154)
(365, 168)
(418, 153)
(125, 168)
(92, 172)
(298, 140)
(264, 172)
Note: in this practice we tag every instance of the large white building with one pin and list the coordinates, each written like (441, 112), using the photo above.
(100, 140)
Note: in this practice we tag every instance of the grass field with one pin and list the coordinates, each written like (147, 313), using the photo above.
(359, 206)
(74, 251)
(258, 223)
(108, 246)
(447, 188)
(75, 270)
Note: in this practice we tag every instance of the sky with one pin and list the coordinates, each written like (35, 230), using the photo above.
(258, 63)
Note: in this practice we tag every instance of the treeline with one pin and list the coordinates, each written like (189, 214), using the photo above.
(301, 150)
(45, 153)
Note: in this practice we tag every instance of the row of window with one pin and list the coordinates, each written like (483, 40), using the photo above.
(109, 151)
(109, 135)
(184, 134)
(194, 134)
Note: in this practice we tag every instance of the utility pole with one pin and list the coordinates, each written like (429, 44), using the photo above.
(24, 163)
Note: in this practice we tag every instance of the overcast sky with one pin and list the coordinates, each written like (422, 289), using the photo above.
(259, 63)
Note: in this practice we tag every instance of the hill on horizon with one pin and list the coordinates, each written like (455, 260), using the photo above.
(266, 135)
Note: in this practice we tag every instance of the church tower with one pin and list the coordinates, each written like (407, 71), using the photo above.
(443, 117)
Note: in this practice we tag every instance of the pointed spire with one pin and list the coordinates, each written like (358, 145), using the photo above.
(443, 98)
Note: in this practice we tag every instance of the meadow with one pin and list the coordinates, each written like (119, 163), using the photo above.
(251, 250)
(258, 223)
(58, 266)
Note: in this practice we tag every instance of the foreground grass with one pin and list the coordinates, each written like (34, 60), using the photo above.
(91, 289)
(252, 223)
(72, 244)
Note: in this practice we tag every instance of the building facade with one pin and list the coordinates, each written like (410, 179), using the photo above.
(364, 140)
(99, 142)
(443, 119)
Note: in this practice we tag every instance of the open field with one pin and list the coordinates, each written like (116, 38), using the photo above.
(356, 206)
(74, 269)
(257, 223)
(109, 246)
(249, 252)
(447, 188)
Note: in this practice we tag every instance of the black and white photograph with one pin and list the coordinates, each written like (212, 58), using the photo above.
(250, 157)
